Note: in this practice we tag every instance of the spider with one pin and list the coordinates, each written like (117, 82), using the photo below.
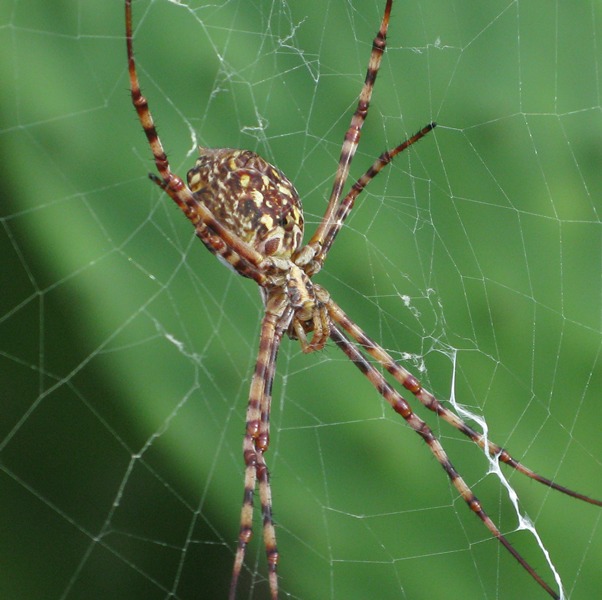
(249, 215)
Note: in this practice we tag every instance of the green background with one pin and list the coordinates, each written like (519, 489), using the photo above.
(126, 349)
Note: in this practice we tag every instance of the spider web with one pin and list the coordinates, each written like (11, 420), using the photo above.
(475, 259)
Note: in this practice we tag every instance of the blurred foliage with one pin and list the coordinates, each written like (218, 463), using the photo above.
(126, 349)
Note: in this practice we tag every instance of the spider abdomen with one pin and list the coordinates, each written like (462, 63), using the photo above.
(251, 197)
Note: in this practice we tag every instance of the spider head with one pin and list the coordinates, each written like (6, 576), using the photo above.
(251, 197)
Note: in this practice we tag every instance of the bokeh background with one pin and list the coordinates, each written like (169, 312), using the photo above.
(126, 349)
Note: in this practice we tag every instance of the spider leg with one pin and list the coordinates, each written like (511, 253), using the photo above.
(351, 141)
(263, 474)
(216, 245)
(200, 216)
(400, 405)
(346, 205)
(428, 399)
(256, 441)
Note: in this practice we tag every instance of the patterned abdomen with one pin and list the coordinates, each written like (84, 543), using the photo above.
(250, 197)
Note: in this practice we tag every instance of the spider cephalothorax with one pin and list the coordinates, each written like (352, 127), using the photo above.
(249, 215)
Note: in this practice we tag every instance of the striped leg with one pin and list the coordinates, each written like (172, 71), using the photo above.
(351, 141)
(255, 444)
(216, 245)
(223, 243)
(412, 384)
(401, 407)
(347, 204)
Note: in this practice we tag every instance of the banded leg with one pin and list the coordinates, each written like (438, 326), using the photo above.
(400, 406)
(216, 245)
(255, 444)
(347, 204)
(173, 185)
(412, 384)
(262, 443)
(351, 141)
